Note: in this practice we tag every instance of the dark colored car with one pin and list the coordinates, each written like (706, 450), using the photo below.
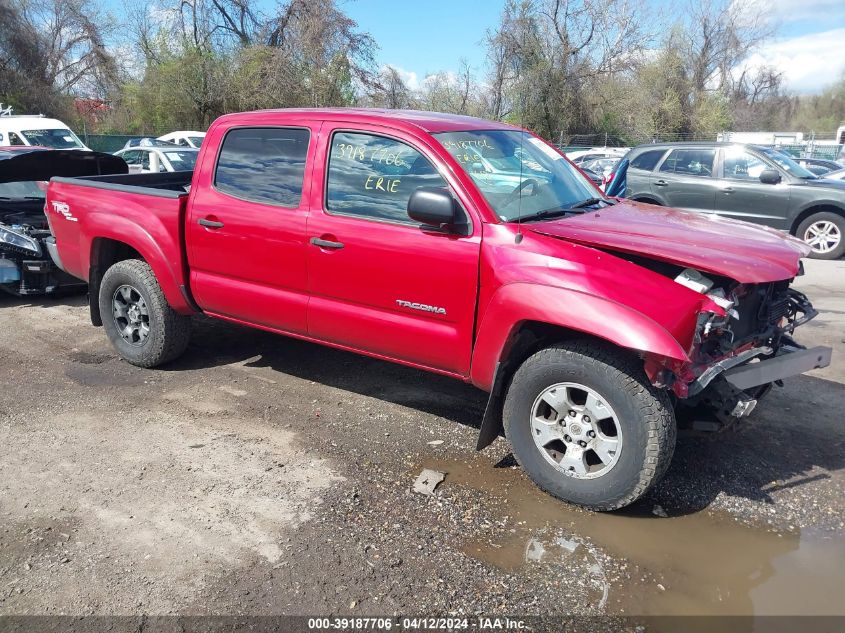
(819, 166)
(746, 182)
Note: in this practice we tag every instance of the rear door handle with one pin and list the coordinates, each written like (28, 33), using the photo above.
(316, 241)
(661, 183)
(727, 189)
(212, 224)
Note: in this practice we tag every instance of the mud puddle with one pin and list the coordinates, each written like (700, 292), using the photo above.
(700, 563)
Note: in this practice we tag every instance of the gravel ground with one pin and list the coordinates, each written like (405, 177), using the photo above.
(262, 475)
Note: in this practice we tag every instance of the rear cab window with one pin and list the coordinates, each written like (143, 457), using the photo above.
(263, 164)
(372, 176)
(690, 162)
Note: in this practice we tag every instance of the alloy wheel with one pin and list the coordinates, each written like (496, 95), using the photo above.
(131, 317)
(576, 430)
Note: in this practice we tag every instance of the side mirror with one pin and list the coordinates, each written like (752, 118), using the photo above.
(770, 177)
(435, 208)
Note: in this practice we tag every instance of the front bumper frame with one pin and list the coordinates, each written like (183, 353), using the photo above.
(789, 361)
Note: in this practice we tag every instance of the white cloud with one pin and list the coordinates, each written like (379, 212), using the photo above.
(816, 10)
(780, 13)
(809, 62)
(409, 77)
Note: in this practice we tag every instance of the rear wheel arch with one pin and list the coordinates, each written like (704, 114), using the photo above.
(140, 323)
(105, 253)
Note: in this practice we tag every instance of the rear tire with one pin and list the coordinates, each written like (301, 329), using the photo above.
(824, 232)
(139, 322)
(623, 448)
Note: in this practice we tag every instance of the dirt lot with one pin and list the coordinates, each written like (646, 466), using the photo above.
(264, 475)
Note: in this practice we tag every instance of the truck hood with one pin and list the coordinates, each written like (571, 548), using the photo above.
(741, 251)
(44, 164)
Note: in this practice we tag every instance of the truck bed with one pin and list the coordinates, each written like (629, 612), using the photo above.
(93, 215)
(167, 185)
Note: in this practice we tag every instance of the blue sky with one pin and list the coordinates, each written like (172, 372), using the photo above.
(423, 37)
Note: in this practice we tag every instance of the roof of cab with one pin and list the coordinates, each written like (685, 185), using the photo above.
(431, 122)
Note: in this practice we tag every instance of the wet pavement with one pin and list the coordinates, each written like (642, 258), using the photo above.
(692, 564)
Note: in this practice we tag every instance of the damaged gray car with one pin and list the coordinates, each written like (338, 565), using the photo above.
(25, 239)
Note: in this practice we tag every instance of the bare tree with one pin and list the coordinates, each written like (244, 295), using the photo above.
(51, 50)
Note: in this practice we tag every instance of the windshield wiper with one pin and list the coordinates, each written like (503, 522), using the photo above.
(576, 208)
(589, 202)
(548, 213)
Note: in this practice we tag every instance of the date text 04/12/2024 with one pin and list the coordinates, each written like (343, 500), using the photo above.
(420, 623)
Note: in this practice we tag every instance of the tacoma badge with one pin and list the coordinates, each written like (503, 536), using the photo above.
(422, 307)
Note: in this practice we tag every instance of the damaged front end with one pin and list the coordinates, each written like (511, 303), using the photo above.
(742, 346)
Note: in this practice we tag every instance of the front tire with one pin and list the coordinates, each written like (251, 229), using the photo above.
(825, 233)
(139, 322)
(587, 425)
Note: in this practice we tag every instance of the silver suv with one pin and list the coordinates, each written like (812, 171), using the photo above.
(746, 182)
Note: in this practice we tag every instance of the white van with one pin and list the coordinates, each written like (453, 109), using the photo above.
(37, 130)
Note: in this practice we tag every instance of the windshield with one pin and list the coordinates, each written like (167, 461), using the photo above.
(791, 167)
(518, 174)
(57, 139)
(13, 190)
(196, 141)
(181, 160)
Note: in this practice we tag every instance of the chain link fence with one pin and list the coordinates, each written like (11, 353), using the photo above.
(109, 143)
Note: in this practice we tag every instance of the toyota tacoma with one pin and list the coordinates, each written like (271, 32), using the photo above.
(459, 246)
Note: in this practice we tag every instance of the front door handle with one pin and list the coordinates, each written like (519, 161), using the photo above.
(727, 189)
(316, 241)
(212, 224)
(661, 183)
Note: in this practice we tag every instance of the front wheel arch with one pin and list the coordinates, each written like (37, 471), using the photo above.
(823, 213)
(806, 213)
(526, 339)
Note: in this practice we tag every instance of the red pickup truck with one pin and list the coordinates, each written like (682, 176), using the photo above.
(460, 246)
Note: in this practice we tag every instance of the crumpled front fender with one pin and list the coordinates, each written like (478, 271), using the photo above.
(514, 304)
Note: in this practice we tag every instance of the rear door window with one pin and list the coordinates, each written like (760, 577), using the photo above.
(263, 165)
(690, 162)
(373, 176)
